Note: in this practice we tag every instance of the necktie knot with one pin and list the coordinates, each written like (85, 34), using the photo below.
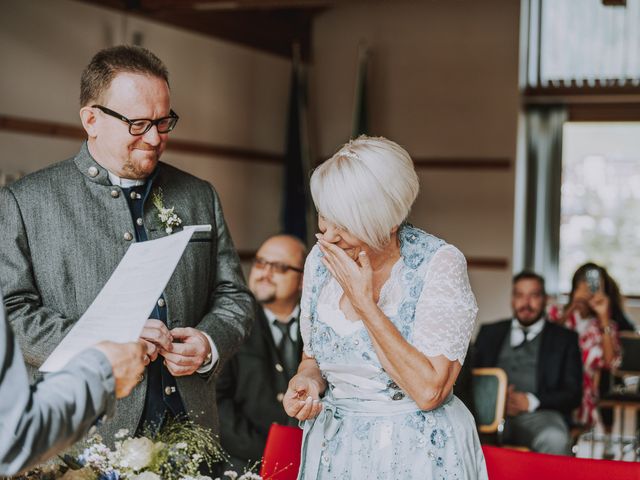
(525, 338)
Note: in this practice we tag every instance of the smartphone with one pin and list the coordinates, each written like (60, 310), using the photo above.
(593, 279)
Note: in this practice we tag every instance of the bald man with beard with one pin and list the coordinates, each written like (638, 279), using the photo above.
(251, 387)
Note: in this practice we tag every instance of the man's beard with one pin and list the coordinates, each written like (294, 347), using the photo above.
(530, 322)
(266, 299)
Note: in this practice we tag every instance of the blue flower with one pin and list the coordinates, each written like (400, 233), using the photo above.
(438, 438)
(110, 475)
(406, 311)
(414, 260)
(416, 289)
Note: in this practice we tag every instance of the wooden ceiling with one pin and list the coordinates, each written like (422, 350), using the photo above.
(269, 25)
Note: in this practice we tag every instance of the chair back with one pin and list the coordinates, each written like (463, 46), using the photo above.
(630, 345)
(508, 464)
(281, 458)
(489, 396)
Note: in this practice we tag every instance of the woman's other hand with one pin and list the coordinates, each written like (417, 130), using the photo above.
(302, 399)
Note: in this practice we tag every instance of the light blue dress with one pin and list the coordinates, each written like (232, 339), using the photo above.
(369, 428)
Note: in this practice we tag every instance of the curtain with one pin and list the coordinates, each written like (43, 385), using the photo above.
(538, 184)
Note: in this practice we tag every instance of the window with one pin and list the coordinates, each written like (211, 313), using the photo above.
(579, 42)
(600, 201)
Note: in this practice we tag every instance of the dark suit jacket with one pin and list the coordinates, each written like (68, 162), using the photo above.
(249, 391)
(559, 363)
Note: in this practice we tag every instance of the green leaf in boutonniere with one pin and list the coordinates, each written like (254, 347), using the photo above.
(168, 218)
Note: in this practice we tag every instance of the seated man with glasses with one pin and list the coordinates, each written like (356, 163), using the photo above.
(252, 385)
(64, 229)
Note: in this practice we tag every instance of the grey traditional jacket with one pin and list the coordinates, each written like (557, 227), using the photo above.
(38, 421)
(64, 229)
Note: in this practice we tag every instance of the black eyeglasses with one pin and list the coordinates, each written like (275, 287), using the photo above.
(277, 267)
(140, 126)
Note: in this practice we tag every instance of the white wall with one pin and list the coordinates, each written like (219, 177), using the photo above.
(225, 94)
(443, 84)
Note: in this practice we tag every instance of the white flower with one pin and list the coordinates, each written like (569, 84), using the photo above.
(146, 476)
(231, 474)
(167, 216)
(136, 453)
(250, 476)
(123, 432)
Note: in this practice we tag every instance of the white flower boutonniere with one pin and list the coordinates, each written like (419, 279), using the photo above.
(169, 219)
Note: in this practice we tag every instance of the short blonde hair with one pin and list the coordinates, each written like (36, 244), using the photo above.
(367, 188)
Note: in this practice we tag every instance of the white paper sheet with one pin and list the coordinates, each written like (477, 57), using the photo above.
(124, 304)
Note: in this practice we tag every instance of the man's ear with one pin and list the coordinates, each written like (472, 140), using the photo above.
(89, 120)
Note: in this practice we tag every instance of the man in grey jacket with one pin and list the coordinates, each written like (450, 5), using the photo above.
(64, 229)
(38, 421)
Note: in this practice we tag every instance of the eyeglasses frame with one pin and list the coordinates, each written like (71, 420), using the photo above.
(130, 122)
(262, 264)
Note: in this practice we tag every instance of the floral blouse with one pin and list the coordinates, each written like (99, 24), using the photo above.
(590, 339)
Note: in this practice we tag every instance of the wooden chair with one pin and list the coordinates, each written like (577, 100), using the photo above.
(281, 458)
(489, 395)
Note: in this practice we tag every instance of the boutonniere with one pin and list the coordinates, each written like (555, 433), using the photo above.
(169, 219)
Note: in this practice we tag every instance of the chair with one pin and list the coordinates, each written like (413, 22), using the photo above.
(489, 396)
(630, 344)
(625, 403)
(507, 464)
(281, 458)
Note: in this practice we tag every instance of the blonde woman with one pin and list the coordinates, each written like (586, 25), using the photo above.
(387, 314)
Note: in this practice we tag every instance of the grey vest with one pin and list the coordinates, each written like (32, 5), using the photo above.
(521, 364)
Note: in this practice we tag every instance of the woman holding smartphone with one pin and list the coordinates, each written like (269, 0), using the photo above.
(595, 312)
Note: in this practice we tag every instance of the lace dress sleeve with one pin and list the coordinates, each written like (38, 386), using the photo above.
(446, 311)
(305, 300)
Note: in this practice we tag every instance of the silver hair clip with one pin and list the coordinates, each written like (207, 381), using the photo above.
(347, 152)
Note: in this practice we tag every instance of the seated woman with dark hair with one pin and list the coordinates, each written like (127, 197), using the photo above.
(595, 312)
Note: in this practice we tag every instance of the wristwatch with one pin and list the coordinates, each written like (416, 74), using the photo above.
(607, 330)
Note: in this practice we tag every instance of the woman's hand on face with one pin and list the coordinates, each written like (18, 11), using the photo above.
(580, 302)
(302, 399)
(599, 303)
(355, 277)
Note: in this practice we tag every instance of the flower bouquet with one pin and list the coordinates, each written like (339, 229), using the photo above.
(178, 452)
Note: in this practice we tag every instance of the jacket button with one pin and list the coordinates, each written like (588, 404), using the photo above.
(139, 222)
(280, 397)
(93, 172)
(127, 236)
(161, 302)
(115, 193)
(135, 196)
(169, 390)
(279, 368)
